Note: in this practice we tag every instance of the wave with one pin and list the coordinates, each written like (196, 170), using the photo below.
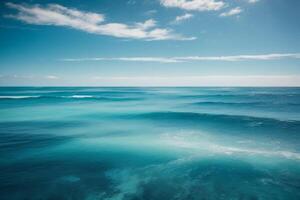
(100, 98)
(81, 96)
(18, 97)
(193, 115)
(240, 122)
(228, 103)
(77, 97)
(257, 103)
(253, 95)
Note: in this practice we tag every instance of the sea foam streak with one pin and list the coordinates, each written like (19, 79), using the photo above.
(199, 143)
(81, 96)
(18, 97)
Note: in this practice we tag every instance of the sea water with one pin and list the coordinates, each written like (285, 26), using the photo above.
(149, 143)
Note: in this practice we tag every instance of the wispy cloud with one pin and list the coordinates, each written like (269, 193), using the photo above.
(128, 59)
(253, 1)
(241, 57)
(57, 15)
(184, 17)
(197, 5)
(52, 77)
(234, 11)
(208, 80)
(234, 58)
(151, 12)
(18, 76)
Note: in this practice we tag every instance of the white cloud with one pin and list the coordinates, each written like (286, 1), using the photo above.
(197, 5)
(234, 11)
(147, 24)
(253, 1)
(209, 80)
(51, 77)
(149, 59)
(19, 77)
(241, 57)
(129, 59)
(234, 58)
(57, 15)
(183, 17)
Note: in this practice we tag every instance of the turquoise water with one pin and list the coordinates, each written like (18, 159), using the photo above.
(149, 143)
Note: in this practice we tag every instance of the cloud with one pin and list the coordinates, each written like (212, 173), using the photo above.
(51, 77)
(19, 77)
(234, 11)
(129, 59)
(57, 15)
(208, 80)
(236, 58)
(241, 57)
(183, 17)
(196, 5)
(253, 1)
(147, 24)
(151, 12)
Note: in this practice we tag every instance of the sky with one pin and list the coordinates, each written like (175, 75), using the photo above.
(150, 43)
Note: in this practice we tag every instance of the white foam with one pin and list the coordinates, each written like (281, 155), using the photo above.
(81, 96)
(195, 145)
(18, 97)
(232, 150)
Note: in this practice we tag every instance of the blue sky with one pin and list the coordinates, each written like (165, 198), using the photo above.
(150, 42)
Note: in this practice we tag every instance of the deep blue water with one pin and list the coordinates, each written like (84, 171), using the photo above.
(149, 143)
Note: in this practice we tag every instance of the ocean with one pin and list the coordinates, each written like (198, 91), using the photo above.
(128, 143)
